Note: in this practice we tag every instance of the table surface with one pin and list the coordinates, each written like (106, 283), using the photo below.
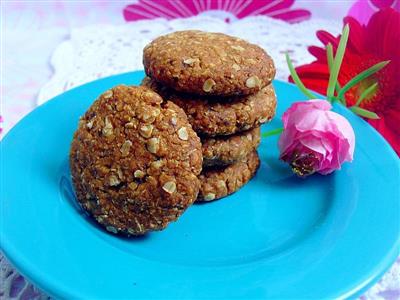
(31, 32)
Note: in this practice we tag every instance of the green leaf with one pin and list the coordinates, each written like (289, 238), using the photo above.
(297, 80)
(364, 113)
(364, 74)
(366, 93)
(337, 62)
(329, 54)
(272, 132)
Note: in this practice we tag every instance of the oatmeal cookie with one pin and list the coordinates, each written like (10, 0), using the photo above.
(218, 182)
(222, 151)
(208, 63)
(211, 116)
(134, 161)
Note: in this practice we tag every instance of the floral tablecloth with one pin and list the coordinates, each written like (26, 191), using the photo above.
(50, 47)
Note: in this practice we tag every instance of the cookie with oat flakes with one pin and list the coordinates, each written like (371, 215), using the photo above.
(226, 150)
(212, 116)
(218, 182)
(134, 161)
(208, 63)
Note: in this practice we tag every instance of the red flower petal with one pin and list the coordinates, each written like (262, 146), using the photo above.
(293, 16)
(383, 33)
(356, 40)
(382, 3)
(388, 132)
(326, 38)
(315, 76)
(318, 52)
(392, 119)
(314, 70)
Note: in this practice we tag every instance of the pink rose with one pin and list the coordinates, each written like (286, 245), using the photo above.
(315, 139)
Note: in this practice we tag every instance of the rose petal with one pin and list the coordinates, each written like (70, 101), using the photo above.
(334, 163)
(315, 120)
(305, 112)
(311, 127)
(343, 129)
(287, 141)
(313, 143)
(288, 154)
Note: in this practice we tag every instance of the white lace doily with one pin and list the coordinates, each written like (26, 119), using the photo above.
(102, 50)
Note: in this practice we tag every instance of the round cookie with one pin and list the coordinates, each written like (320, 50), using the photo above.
(220, 182)
(222, 151)
(134, 161)
(212, 116)
(208, 63)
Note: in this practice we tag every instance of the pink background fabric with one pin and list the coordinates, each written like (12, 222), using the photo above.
(32, 30)
(171, 9)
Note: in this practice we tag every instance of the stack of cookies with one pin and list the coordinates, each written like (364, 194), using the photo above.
(224, 86)
(142, 155)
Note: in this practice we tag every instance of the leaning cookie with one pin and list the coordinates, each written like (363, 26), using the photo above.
(134, 161)
(208, 63)
(222, 151)
(211, 116)
(220, 182)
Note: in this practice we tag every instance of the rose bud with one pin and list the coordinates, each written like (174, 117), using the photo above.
(315, 139)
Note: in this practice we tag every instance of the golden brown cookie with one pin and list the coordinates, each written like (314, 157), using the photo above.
(222, 151)
(213, 116)
(208, 63)
(134, 161)
(218, 182)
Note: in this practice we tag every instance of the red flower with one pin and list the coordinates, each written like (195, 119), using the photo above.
(379, 40)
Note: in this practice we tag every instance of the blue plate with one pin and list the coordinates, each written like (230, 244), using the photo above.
(278, 237)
